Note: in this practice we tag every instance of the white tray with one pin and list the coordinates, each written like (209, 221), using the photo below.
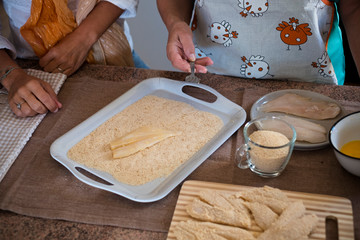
(231, 114)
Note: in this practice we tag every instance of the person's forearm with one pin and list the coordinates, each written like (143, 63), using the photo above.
(350, 15)
(99, 19)
(172, 11)
(5, 59)
(6, 62)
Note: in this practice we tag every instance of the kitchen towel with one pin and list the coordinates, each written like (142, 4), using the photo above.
(15, 131)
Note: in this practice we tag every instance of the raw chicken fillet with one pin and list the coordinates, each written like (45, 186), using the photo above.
(302, 106)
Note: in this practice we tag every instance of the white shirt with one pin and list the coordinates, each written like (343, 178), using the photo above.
(18, 12)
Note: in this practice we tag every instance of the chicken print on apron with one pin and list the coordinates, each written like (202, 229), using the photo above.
(293, 33)
(324, 65)
(255, 7)
(199, 53)
(220, 33)
(255, 67)
(259, 39)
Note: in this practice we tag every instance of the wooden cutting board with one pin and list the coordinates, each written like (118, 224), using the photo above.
(322, 205)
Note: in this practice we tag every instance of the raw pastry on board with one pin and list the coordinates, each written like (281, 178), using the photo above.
(269, 214)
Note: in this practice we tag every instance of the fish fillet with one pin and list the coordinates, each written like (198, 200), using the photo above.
(266, 191)
(274, 198)
(297, 228)
(229, 202)
(263, 215)
(305, 130)
(138, 140)
(205, 212)
(302, 106)
(272, 215)
(206, 230)
(216, 198)
(238, 204)
(294, 210)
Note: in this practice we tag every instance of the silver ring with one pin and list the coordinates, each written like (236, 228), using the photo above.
(60, 69)
(18, 105)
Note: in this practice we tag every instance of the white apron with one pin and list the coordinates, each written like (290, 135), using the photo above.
(270, 39)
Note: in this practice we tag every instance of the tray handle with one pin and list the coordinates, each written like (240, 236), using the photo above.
(84, 175)
(220, 99)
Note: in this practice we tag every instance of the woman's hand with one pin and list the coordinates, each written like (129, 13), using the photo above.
(28, 95)
(68, 55)
(176, 15)
(180, 49)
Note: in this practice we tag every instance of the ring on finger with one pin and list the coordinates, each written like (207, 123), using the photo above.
(60, 69)
(18, 105)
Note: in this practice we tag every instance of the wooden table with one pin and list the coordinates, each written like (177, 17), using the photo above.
(309, 171)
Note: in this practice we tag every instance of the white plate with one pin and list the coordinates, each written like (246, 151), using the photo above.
(256, 113)
(232, 115)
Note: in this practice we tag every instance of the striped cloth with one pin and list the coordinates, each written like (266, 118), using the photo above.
(16, 131)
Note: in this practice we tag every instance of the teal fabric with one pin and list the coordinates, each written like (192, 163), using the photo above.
(139, 63)
(335, 49)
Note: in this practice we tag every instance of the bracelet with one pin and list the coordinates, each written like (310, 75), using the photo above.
(7, 72)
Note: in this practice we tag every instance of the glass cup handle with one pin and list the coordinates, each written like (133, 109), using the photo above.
(241, 157)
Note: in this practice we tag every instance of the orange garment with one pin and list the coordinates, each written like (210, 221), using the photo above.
(49, 22)
(52, 20)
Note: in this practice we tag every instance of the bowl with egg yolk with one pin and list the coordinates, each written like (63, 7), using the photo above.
(344, 138)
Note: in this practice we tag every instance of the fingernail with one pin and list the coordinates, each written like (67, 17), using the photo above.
(192, 57)
(203, 70)
(56, 110)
